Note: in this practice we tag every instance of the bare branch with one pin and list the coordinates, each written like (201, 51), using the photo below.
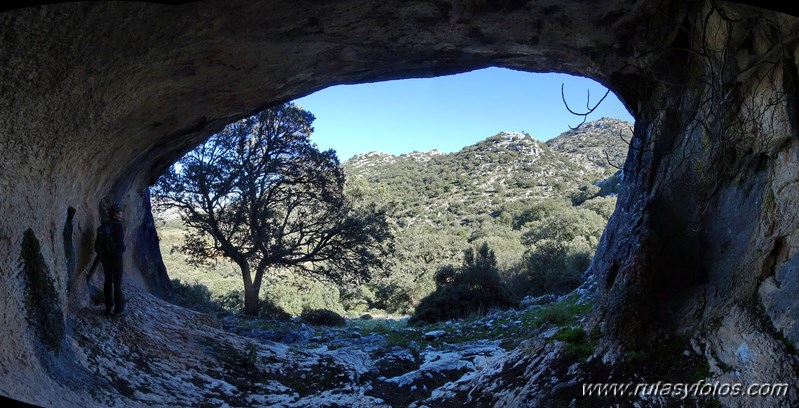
(588, 106)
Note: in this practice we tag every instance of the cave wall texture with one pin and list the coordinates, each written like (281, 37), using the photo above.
(96, 99)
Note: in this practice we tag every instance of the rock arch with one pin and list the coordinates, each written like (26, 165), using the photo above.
(97, 98)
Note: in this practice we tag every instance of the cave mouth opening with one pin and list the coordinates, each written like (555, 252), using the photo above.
(455, 154)
(168, 56)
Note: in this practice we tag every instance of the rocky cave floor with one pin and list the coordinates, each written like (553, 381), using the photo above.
(164, 355)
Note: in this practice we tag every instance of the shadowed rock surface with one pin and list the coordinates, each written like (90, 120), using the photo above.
(98, 98)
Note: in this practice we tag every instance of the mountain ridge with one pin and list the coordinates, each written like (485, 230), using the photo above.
(597, 145)
(510, 166)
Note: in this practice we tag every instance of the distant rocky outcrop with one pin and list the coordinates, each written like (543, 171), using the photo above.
(370, 159)
(600, 144)
(511, 163)
(503, 168)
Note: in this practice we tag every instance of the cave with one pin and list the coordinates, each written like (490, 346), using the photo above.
(99, 98)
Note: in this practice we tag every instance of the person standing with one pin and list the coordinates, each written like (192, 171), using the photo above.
(109, 245)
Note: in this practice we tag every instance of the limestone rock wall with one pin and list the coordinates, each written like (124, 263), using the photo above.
(704, 238)
(98, 98)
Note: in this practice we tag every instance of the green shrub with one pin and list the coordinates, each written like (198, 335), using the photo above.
(561, 240)
(445, 303)
(295, 293)
(555, 315)
(578, 345)
(603, 206)
(471, 290)
(194, 296)
(610, 185)
(571, 335)
(232, 301)
(323, 317)
(393, 298)
(267, 309)
(555, 267)
(583, 194)
(356, 300)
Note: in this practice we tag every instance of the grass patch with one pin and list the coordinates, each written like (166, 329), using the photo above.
(377, 326)
(565, 312)
(578, 345)
(257, 323)
(510, 327)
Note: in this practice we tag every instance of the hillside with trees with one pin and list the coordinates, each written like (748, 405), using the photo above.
(601, 144)
(537, 208)
(541, 207)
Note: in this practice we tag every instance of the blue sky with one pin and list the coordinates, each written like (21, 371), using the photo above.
(448, 113)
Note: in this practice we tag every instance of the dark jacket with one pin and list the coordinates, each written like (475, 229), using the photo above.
(118, 237)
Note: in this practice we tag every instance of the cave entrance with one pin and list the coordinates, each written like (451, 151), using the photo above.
(491, 157)
(125, 88)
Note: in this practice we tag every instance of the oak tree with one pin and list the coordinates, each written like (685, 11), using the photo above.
(261, 194)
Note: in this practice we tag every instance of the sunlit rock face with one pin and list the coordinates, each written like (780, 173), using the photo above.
(98, 98)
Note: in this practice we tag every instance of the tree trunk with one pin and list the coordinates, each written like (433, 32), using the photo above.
(259, 276)
(250, 292)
